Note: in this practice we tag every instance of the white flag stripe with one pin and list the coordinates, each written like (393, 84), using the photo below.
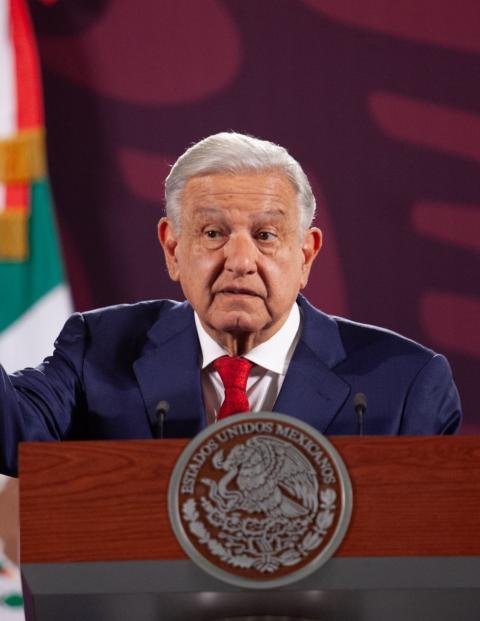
(8, 100)
(30, 338)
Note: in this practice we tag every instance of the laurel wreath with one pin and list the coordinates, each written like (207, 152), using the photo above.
(265, 562)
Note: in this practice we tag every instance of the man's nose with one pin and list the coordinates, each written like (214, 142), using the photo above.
(241, 254)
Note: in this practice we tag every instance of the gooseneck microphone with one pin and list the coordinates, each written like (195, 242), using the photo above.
(360, 405)
(161, 411)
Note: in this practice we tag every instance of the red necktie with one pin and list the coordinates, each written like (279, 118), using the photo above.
(234, 374)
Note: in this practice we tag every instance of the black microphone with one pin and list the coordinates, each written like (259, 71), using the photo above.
(161, 412)
(360, 405)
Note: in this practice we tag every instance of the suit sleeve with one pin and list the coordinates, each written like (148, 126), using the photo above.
(432, 404)
(41, 403)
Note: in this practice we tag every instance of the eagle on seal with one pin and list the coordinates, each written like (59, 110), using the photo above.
(271, 477)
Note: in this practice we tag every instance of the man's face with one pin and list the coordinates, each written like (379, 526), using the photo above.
(239, 255)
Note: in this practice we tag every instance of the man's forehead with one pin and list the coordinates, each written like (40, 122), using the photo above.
(215, 190)
(204, 212)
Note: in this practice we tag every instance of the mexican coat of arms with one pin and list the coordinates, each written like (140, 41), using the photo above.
(260, 500)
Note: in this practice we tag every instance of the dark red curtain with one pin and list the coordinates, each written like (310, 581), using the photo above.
(379, 100)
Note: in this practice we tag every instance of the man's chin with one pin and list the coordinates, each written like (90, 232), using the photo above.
(237, 321)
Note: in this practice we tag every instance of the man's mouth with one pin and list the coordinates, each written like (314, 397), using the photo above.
(238, 291)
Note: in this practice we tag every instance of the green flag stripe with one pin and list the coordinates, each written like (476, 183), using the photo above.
(24, 283)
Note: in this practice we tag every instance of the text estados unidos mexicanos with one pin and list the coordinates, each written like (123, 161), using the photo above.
(254, 428)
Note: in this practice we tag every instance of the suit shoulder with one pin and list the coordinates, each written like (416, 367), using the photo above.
(148, 309)
(337, 340)
(132, 320)
(363, 337)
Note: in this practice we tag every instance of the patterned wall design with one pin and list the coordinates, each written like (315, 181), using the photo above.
(379, 100)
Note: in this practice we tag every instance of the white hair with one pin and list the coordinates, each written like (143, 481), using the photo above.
(230, 152)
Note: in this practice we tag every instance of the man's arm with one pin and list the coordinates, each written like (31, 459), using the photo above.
(40, 403)
(432, 404)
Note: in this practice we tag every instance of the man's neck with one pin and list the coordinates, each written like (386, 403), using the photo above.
(238, 343)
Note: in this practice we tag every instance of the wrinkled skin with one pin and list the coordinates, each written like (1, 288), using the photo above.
(239, 254)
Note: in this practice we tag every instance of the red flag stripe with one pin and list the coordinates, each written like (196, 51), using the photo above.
(17, 195)
(27, 71)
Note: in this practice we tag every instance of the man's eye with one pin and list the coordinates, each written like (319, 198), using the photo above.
(212, 234)
(266, 236)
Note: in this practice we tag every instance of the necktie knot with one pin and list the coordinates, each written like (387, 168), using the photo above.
(233, 372)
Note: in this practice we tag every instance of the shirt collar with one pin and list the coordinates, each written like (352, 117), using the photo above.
(273, 355)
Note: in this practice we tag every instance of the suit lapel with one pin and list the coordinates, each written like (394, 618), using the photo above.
(311, 391)
(168, 369)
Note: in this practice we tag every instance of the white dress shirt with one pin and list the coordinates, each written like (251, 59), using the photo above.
(270, 359)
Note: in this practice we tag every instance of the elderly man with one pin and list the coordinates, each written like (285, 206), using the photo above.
(238, 239)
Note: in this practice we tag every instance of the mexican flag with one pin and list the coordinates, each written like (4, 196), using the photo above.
(34, 296)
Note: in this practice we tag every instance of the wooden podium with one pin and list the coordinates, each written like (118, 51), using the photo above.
(96, 541)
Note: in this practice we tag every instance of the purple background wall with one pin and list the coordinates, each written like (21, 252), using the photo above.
(379, 100)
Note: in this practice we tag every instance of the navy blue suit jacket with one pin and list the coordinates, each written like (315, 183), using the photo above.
(112, 366)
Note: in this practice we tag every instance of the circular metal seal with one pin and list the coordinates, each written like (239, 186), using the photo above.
(260, 500)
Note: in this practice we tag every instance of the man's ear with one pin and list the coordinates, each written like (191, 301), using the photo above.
(169, 242)
(312, 243)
